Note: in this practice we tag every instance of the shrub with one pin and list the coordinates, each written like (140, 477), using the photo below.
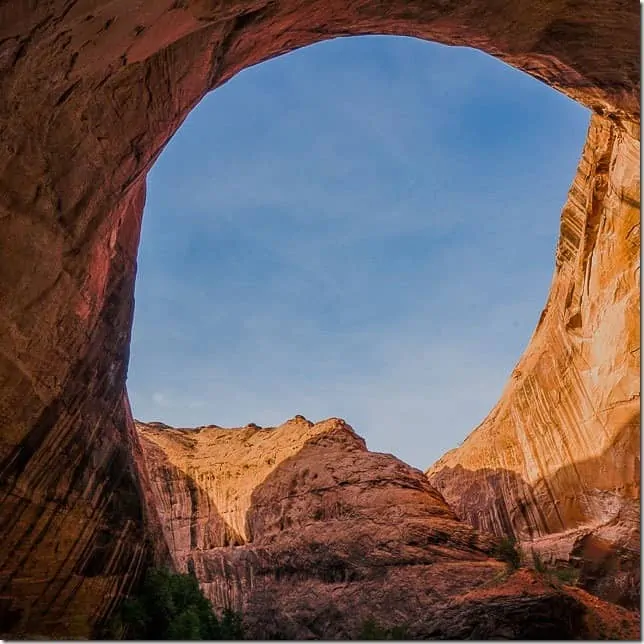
(398, 633)
(508, 551)
(231, 626)
(568, 576)
(565, 575)
(171, 606)
(372, 631)
(537, 561)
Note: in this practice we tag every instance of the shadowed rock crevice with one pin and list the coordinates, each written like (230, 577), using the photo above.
(596, 529)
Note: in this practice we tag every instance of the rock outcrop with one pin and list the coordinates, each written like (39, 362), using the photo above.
(309, 535)
(557, 461)
(90, 92)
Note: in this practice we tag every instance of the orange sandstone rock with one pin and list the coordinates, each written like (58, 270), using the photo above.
(557, 461)
(90, 92)
(309, 535)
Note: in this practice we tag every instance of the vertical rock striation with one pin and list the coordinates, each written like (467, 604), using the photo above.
(556, 463)
(90, 92)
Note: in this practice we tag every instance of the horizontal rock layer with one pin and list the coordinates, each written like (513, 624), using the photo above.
(309, 535)
(557, 461)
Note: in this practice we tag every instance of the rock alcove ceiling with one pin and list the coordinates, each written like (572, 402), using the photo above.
(89, 94)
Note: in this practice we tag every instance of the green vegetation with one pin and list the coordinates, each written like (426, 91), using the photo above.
(537, 561)
(171, 606)
(372, 631)
(568, 576)
(565, 575)
(508, 551)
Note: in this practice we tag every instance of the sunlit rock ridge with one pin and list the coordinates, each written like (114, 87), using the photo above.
(557, 461)
(90, 92)
(309, 535)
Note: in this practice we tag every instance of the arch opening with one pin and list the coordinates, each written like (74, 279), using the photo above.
(90, 92)
(359, 229)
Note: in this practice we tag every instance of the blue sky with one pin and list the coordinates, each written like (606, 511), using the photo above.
(364, 228)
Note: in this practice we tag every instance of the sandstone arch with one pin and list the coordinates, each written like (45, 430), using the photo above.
(89, 93)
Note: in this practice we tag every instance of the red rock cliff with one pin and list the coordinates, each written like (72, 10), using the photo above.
(309, 535)
(557, 461)
(90, 92)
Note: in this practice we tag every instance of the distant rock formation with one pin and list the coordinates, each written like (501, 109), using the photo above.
(309, 535)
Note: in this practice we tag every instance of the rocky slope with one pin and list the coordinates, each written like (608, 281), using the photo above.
(90, 92)
(309, 535)
(557, 461)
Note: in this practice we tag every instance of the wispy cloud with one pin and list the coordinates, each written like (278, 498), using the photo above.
(363, 229)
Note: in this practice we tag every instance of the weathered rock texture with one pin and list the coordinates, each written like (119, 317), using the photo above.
(557, 461)
(309, 535)
(90, 91)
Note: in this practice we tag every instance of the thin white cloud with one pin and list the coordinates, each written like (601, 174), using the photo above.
(160, 399)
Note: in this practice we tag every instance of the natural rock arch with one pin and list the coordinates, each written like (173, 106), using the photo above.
(90, 91)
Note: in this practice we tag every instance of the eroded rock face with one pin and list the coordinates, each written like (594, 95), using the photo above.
(309, 535)
(557, 461)
(90, 92)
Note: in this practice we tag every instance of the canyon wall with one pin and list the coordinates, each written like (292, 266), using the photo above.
(90, 92)
(309, 535)
(557, 461)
